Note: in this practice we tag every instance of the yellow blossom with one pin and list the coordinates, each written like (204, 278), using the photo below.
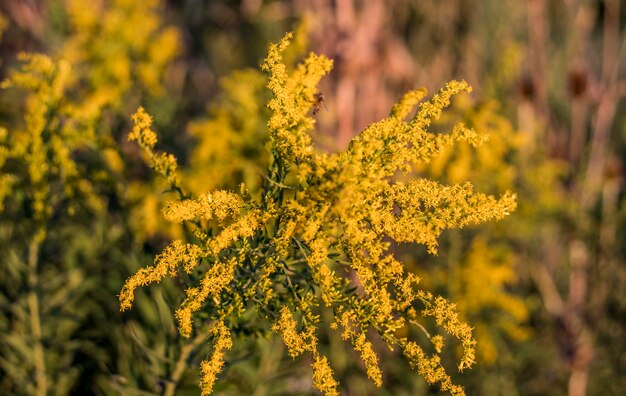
(369, 357)
(242, 228)
(323, 378)
(165, 264)
(447, 316)
(216, 279)
(437, 342)
(210, 369)
(286, 326)
(321, 228)
(163, 163)
(219, 204)
(141, 130)
(430, 368)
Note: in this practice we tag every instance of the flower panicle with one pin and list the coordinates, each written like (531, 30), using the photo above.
(431, 110)
(165, 264)
(394, 144)
(427, 208)
(323, 378)
(216, 279)
(447, 316)
(210, 369)
(219, 205)
(430, 368)
(319, 218)
(295, 341)
(164, 164)
(293, 97)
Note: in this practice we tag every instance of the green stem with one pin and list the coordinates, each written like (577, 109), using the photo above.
(41, 382)
(181, 363)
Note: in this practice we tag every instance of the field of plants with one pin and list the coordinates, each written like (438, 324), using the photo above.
(312, 197)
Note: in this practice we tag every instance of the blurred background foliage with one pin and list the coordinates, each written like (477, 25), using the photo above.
(544, 289)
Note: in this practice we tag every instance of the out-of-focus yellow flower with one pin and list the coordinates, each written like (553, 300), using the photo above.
(118, 46)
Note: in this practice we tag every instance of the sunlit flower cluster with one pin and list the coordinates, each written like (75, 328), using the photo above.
(319, 234)
(209, 369)
(481, 278)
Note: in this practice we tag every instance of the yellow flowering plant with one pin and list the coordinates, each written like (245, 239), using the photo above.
(64, 200)
(318, 236)
(44, 187)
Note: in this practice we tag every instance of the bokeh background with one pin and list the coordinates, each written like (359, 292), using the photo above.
(544, 289)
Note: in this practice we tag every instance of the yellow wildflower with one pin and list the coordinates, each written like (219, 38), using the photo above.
(286, 326)
(369, 357)
(142, 132)
(216, 279)
(430, 368)
(323, 378)
(446, 315)
(163, 163)
(322, 226)
(210, 369)
(165, 264)
(219, 204)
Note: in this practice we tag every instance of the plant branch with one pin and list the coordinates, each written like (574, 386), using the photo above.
(41, 382)
(181, 363)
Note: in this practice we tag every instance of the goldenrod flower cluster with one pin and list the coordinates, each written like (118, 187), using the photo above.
(113, 49)
(318, 237)
(163, 163)
(45, 145)
(230, 141)
(209, 369)
(119, 45)
(61, 172)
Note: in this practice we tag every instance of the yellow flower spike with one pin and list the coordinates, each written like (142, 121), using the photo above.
(438, 342)
(323, 379)
(163, 163)
(428, 207)
(210, 369)
(164, 264)
(408, 102)
(142, 132)
(430, 368)
(216, 279)
(293, 97)
(245, 227)
(405, 293)
(431, 110)
(447, 316)
(319, 253)
(219, 205)
(286, 326)
(369, 357)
